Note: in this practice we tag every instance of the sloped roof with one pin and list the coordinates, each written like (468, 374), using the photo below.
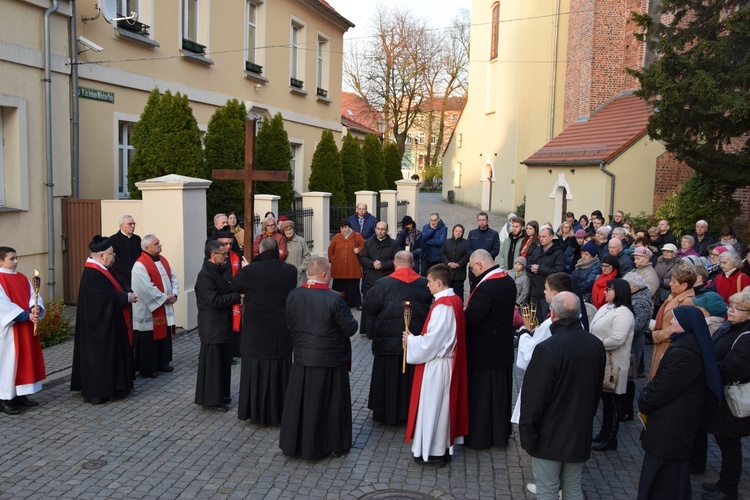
(358, 115)
(610, 130)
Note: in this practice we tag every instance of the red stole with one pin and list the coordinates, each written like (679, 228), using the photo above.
(29, 357)
(459, 390)
(405, 274)
(495, 276)
(236, 265)
(160, 313)
(125, 310)
(317, 285)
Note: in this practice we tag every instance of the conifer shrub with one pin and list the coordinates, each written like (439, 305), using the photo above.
(273, 152)
(392, 161)
(373, 156)
(326, 172)
(353, 168)
(224, 148)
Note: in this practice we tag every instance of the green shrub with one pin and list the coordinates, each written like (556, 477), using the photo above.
(53, 328)
(521, 209)
(325, 170)
(273, 152)
(392, 161)
(372, 153)
(225, 149)
(353, 168)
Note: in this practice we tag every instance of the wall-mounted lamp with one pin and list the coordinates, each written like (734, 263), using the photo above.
(89, 45)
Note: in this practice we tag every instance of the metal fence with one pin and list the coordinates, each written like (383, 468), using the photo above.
(338, 213)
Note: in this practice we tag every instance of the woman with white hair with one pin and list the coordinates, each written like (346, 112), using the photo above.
(640, 297)
(731, 280)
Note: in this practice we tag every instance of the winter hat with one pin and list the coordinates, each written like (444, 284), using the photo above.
(285, 224)
(643, 251)
(581, 233)
(692, 260)
(669, 247)
(520, 260)
(99, 244)
(407, 220)
(722, 249)
(612, 261)
(591, 248)
(711, 302)
(605, 230)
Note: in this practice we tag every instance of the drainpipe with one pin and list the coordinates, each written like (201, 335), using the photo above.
(554, 73)
(75, 132)
(611, 190)
(48, 143)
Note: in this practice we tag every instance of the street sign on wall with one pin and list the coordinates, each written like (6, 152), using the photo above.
(96, 95)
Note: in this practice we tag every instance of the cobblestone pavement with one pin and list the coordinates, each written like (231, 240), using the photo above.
(158, 444)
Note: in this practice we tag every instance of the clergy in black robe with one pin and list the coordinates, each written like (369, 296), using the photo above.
(317, 419)
(266, 346)
(127, 247)
(103, 365)
(489, 353)
(389, 388)
(214, 299)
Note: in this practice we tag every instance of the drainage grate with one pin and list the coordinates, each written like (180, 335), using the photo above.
(396, 495)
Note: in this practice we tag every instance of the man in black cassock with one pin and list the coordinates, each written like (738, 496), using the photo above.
(266, 345)
(214, 299)
(489, 352)
(127, 247)
(389, 388)
(317, 419)
(103, 364)
(377, 262)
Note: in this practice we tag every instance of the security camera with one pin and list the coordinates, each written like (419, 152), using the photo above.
(89, 44)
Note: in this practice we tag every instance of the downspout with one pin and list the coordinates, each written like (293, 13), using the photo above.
(48, 143)
(75, 132)
(611, 190)
(553, 92)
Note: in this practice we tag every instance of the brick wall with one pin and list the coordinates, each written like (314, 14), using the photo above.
(600, 46)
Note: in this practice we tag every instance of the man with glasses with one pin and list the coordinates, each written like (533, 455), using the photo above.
(127, 245)
(214, 299)
(153, 316)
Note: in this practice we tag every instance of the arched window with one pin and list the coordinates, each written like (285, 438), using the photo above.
(495, 30)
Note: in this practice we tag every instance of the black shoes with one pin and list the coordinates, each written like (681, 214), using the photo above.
(150, 375)
(437, 461)
(710, 486)
(226, 401)
(167, 368)
(605, 445)
(24, 401)
(217, 408)
(8, 407)
(718, 495)
(337, 454)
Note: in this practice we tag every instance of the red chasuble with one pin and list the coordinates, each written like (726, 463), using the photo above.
(160, 313)
(29, 358)
(116, 284)
(236, 265)
(459, 390)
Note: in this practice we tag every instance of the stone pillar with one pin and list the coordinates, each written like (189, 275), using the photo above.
(267, 203)
(390, 196)
(369, 198)
(321, 224)
(174, 209)
(409, 190)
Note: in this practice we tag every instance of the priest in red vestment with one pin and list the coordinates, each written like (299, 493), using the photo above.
(439, 408)
(21, 360)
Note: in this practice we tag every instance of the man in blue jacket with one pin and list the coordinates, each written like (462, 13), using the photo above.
(433, 237)
(482, 237)
(363, 222)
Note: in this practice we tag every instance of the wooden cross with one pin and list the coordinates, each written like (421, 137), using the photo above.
(249, 175)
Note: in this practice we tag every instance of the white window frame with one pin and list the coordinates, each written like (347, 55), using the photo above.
(296, 55)
(14, 153)
(123, 158)
(189, 21)
(322, 66)
(251, 54)
(125, 7)
(297, 164)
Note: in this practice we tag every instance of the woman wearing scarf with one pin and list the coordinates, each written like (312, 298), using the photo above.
(610, 270)
(687, 378)
(587, 269)
(733, 357)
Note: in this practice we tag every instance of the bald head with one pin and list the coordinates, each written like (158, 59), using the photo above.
(480, 262)
(565, 305)
(319, 269)
(403, 259)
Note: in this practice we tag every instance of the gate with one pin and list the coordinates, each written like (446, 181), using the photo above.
(81, 220)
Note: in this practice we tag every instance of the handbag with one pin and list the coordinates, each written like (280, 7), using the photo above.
(737, 394)
(611, 373)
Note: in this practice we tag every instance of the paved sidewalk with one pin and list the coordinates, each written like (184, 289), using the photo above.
(158, 444)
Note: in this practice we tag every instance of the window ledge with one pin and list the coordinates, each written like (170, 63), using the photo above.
(251, 75)
(136, 38)
(197, 58)
(4, 210)
(295, 90)
(324, 99)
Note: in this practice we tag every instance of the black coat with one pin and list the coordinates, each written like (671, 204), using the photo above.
(734, 366)
(374, 249)
(102, 355)
(385, 305)
(560, 394)
(266, 283)
(215, 300)
(489, 323)
(673, 400)
(489, 240)
(127, 250)
(321, 323)
(456, 250)
(550, 261)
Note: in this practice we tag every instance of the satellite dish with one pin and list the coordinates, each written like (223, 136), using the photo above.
(108, 9)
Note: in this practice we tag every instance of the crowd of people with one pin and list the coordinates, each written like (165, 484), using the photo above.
(443, 355)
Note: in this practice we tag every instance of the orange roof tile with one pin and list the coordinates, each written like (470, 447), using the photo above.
(355, 109)
(610, 130)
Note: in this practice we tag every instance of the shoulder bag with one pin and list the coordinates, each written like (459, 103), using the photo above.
(611, 373)
(737, 394)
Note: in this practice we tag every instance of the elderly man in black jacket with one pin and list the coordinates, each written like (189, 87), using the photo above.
(266, 345)
(317, 419)
(389, 388)
(547, 258)
(127, 247)
(489, 353)
(559, 399)
(377, 262)
(214, 300)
